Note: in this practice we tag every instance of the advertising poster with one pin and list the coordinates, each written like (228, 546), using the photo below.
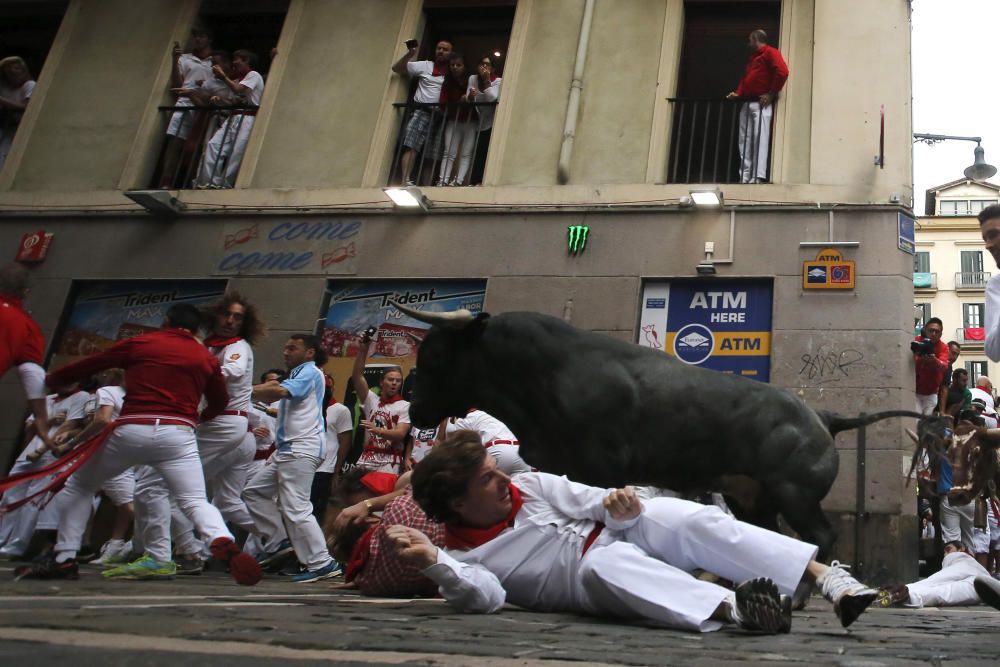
(718, 324)
(355, 306)
(101, 313)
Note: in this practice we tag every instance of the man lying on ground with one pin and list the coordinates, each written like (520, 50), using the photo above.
(549, 544)
(961, 581)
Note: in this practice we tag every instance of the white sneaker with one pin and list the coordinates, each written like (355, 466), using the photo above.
(114, 552)
(849, 596)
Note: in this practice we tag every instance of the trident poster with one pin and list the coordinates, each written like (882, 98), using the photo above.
(357, 305)
(101, 313)
(718, 324)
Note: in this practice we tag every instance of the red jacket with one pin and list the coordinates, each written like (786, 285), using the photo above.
(766, 73)
(166, 373)
(20, 338)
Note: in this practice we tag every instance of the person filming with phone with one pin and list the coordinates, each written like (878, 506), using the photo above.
(930, 356)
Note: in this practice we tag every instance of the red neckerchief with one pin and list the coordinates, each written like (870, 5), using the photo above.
(435, 71)
(219, 341)
(359, 555)
(385, 401)
(465, 537)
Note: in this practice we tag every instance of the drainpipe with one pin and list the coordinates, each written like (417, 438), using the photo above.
(573, 108)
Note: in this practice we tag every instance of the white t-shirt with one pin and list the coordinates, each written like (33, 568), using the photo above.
(258, 417)
(112, 395)
(423, 440)
(381, 454)
(300, 414)
(236, 360)
(338, 420)
(429, 80)
(194, 70)
(489, 427)
(255, 82)
(985, 397)
(61, 410)
(491, 94)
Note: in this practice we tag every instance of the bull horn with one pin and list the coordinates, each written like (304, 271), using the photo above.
(913, 436)
(455, 319)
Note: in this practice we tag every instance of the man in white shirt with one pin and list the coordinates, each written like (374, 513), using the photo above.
(984, 392)
(989, 227)
(386, 418)
(548, 544)
(339, 429)
(224, 151)
(430, 76)
(288, 474)
(191, 71)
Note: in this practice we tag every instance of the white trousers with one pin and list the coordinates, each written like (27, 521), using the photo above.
(226, 475)
(17, 527)
(926, 403)
(755, 141)
(459, 139)
(224, 152)
(957, 523)
(169, 450)
(646, 573)
(120, 489)
(508, 459)
(288, 475)
(950, 586)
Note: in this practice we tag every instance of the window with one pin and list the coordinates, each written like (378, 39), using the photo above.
(977, 205)
(709, 133)
(206, 132)
(972, 261)
(921, 262)
(948, 207)
(973, 315)
(921, 313)
(976, 369)
(447, 144)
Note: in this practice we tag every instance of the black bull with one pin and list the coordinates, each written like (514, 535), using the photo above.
(606, 412)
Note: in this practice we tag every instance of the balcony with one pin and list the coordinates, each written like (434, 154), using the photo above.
(924, 282)
(203, 146)
(710, 138)
(971, 336)
(440, 145)
(971, 280)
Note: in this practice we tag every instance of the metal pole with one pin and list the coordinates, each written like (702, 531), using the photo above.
(860, 514)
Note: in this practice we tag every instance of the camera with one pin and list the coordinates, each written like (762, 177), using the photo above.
(922, 347)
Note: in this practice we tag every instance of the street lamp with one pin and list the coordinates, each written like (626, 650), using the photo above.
(979, 170)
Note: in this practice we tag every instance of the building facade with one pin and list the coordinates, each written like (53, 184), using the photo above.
(610, 114)
(951, 268)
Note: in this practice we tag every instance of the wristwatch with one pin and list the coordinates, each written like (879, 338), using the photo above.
(368, 504)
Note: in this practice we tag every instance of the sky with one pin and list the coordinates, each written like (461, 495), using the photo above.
(955, 90)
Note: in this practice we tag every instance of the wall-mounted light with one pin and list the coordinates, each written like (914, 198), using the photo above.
(706, 197)
(409, 198)
(156, 202)
(706, 267)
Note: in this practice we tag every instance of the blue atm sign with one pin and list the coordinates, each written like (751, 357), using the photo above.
(725, 326)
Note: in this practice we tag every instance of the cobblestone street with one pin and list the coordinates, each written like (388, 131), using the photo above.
(210, 620)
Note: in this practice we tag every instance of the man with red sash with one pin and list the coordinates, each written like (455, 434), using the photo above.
(166, 372)
(225, 457)
(386, 418)
(549, 544)
(22, 344)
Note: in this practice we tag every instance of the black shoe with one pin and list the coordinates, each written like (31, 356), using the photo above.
(988, 590)
(48, 569)
(292, 569)
(760, 608)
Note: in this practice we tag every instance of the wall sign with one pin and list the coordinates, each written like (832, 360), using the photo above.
(905, 231)
(828, 271)
(718, 324)
(34, 246)
(296, 246)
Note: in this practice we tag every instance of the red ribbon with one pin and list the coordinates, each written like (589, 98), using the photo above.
(467, 537)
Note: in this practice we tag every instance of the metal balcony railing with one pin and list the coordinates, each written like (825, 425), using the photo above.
(719, 141)
(443, 145)
(203, 146)
(924, 281)
(971, 279)
(970, 335)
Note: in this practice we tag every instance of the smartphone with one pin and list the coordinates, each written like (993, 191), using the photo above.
(411, 43)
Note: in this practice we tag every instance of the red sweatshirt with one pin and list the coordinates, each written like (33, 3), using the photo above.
(166, 373)
(766, 73)
(20, 338)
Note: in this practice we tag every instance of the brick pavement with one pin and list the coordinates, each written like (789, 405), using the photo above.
(208, 617)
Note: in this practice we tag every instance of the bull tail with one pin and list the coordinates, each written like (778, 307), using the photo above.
(836, 423)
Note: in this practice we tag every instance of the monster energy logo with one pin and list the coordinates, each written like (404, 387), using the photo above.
(577, 238)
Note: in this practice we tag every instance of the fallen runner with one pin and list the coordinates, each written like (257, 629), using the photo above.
(961, 581)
